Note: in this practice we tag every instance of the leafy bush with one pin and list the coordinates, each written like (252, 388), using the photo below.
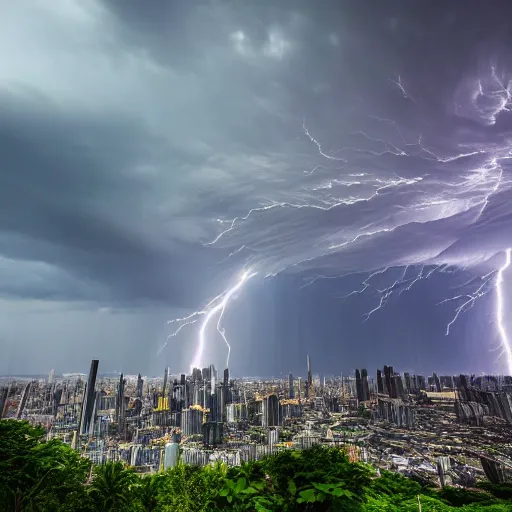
(458, 497)
(502, 491)
(36, 475)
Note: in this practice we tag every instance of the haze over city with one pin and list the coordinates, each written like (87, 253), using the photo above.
(351, 158)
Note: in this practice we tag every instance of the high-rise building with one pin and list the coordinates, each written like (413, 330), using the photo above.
(270, 416)
(120, 399)
(191, 421)
(166, 377)
(380, 382)
(23, 400)
(291, 392)
(436, 382)
(389, 375)
(140, 384)
(4, 401)
(365, 384)
(309, 391)
(407, 378)
(224, 395)
(212, 433)
(359, 386)
(89, 398)
(196, 375)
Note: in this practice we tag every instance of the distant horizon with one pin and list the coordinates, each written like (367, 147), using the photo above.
(234, 376)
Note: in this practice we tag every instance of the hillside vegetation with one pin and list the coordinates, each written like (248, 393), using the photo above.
(49, 476)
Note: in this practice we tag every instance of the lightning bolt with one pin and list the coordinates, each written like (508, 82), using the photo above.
(400, 285)
(380, 185)
(367, 234)
(499, 311)
(389, 148)
(217, 306)
(318, 145)
(469, 300)
(475, 188)
(492, 165)
(336, 202)
(399, 84)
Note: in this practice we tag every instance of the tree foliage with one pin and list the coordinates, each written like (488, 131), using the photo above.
(36, 475)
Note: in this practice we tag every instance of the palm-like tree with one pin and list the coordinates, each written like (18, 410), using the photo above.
(111, 486)
(148, 490)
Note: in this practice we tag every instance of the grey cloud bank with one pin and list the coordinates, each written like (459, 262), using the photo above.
(345, 138)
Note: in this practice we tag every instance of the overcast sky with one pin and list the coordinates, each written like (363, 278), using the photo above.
(353, 155)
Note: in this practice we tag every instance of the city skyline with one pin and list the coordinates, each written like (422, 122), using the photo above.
(392, 420)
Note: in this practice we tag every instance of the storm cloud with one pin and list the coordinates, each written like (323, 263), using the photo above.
(150, 153)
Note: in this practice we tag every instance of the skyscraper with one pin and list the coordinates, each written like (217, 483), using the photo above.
(365, 385)
(309, 385)
(291, 391)
(359, 386)
(380, 383)
(140, 384)
(270, 416)
(166, 376)
(89, 398)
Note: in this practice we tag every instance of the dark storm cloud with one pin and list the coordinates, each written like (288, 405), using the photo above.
(86, 207)
(132, 136)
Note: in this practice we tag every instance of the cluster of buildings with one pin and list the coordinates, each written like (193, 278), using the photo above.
(447, 429)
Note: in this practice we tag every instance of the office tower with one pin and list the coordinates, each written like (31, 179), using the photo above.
(235, 412)
(207, 394)
(57, 396)
(196, 375)
(50, 376)
(359, 386)
(436, 382)
(270, 416)
(212, 433)
(166, 377)
(89, 398)
(5, 408)
(310, 378)
(365, 384)
(140, 384)
(291, 392)
(23, 400)
(224, 395)
(215, 413)
(390, 381)
(273, 437)
(399, 386)
(213, 378)
(191, 421)
(380, 383)
(4, 394)
(407, 387)
(231, 413)
(120, 404)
